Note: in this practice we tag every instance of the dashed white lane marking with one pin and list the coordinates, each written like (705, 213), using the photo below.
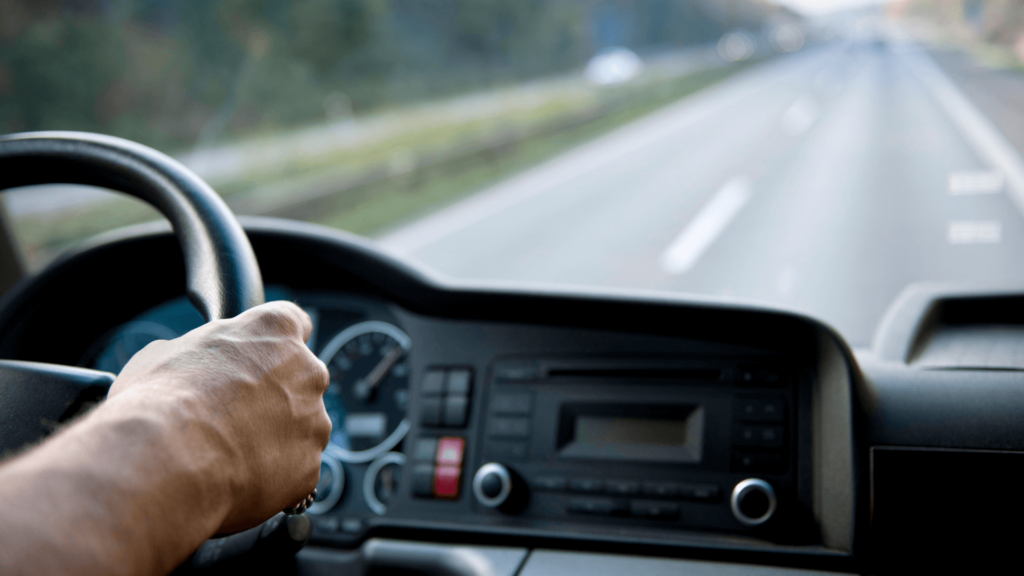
(786, 281)
(800, 116)
(589, 157)
(974, 232)
(988, 142)
(684, 252)
(971, 183)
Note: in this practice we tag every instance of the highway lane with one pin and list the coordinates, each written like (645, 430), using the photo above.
(820, 182)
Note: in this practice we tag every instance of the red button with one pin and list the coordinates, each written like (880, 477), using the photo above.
(446, 481)
(449, 451)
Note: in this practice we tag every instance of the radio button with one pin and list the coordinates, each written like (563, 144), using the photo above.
(511, 404)
(760, 409)
(661, 489)
(595, 506)
(550, 483)
(753, 502)
(446, 481)
(760, 436)
(622, 487)
(454, 411)
(772, 409)
(586, 485)
(761, 376)
(516, 372)
(506, 451)
(508, 427)
(491, 486)
(700, 492)
(654, 510)
(495, 486)
(425, 450)
(449, 451)
(433, 383)
(430, 411)
(423, 480)
(758, 463)
(459, 382)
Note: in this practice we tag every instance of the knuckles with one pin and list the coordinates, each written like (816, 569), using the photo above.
(280, 317)
(323, 376)
(323, 431)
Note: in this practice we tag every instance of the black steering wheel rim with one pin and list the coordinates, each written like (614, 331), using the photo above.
(222, 274)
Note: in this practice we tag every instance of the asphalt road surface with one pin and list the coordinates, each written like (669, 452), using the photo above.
(825, 181)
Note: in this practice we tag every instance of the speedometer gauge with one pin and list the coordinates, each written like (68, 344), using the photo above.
(369, 392)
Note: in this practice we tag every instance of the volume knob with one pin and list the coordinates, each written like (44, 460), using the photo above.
(753, 502)
(492, 485)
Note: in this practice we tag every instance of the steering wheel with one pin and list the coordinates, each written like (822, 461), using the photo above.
(222, 274)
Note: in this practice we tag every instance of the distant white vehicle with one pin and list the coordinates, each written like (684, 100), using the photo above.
(613, 66)
(786, 38)
(736, 45)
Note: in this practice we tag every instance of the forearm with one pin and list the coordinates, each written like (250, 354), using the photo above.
(128, 489)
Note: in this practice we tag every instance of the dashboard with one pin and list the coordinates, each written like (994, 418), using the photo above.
(549, 429)
(543, 430)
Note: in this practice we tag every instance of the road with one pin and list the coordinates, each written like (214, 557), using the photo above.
(826, 182)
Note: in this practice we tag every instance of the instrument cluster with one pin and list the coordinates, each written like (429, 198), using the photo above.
(367, 400)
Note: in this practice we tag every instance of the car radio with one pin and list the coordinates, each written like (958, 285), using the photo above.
(706, 444)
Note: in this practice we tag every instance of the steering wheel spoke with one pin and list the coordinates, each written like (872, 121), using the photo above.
(36, 398)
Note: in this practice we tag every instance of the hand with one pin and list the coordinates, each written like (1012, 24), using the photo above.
(255, 390)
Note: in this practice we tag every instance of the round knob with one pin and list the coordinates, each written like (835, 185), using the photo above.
(492, 485)
(753, 502)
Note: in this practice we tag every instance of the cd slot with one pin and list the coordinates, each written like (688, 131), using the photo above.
(593, 370)
(640, 373)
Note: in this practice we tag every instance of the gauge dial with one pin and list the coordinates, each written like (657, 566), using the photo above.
(382, 480)
(127, 340)
(331, 486)
(369, 392)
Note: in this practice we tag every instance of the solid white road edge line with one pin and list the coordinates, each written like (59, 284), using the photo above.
(974, 232)
(974, 183)
(710, 222)
(988, 142)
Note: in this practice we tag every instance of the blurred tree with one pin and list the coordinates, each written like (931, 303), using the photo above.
(55, 68)
(173, 74)
(331, 30)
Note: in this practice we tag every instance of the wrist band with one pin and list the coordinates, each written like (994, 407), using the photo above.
(302, 506)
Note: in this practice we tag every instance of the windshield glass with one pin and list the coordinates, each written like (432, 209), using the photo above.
(819, 155)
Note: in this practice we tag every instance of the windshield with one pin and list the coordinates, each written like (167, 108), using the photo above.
(817, 155)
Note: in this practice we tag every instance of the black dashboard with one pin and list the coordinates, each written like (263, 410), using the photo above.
(542, 429)
(548, 428)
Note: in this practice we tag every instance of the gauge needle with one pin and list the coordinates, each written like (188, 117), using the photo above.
(365, 388)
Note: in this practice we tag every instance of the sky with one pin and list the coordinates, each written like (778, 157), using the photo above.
(817, 7)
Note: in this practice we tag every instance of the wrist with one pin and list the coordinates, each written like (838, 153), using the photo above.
(166, 429)
(138, 477)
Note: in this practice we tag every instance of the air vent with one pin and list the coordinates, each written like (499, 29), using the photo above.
(984, 333)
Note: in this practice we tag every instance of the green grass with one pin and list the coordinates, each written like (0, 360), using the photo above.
(380, 206)
(387, 202)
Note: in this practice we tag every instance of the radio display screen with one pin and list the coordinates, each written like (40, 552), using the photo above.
(606, 431)
(614, 433)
